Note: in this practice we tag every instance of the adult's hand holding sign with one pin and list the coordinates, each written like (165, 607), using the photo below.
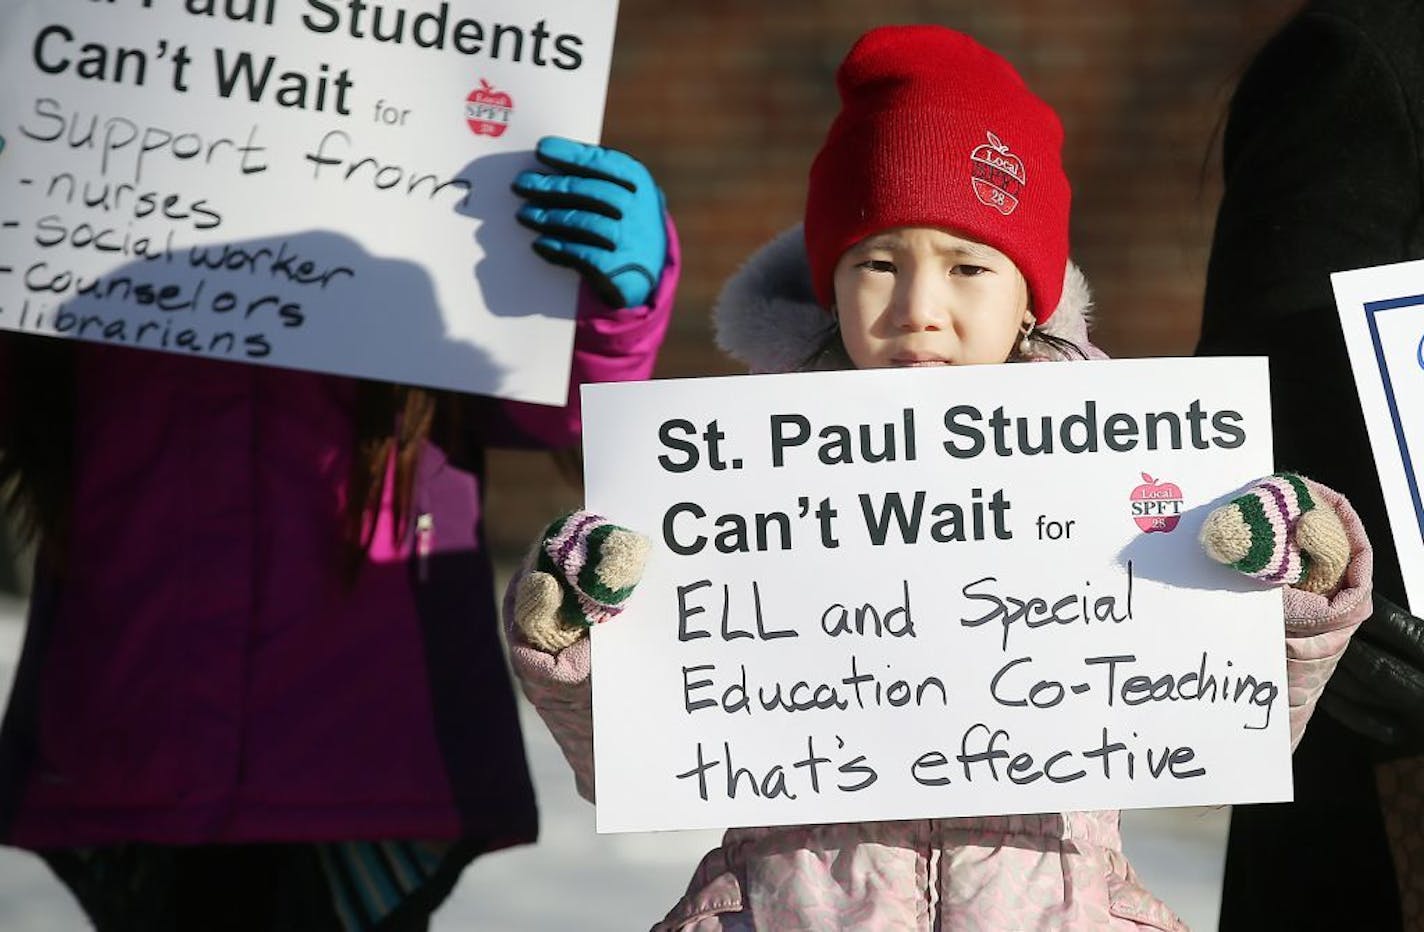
(300, 183)
(859, 606)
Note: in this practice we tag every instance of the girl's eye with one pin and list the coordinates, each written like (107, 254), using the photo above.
(877, 265)
(969, 271)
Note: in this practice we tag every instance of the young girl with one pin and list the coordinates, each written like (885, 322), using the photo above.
(262, 686)
(936, 233)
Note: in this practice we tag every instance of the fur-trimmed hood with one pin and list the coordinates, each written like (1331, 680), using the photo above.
(767, 316)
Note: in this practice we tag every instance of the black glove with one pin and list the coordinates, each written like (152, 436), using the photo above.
(1378, 688)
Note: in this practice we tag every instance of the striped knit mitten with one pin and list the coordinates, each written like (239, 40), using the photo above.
(1279, 533)
(584, 569)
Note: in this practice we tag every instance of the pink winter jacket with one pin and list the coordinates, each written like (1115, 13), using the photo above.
(1045, 871)
(201, 673)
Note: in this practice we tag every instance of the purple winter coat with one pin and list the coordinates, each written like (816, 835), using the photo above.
(201, 673)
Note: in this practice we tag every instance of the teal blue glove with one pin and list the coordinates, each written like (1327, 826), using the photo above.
(600, 212)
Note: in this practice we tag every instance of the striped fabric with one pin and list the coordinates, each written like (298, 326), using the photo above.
(368, 880)
(1269, 511)
(572, 551)
(346, 886)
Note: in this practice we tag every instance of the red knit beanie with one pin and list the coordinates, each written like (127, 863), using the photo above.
(935, 130)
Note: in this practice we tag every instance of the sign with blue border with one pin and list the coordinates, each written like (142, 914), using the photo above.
(1382, 317)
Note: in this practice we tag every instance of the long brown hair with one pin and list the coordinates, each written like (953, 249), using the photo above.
(392, 423)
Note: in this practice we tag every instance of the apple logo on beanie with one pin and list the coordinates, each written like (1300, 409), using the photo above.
(998, 175)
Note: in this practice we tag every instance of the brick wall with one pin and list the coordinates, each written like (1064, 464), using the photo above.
(727, 100)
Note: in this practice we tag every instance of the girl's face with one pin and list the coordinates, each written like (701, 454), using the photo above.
(920, 296)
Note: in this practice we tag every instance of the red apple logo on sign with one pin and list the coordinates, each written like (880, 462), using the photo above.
(488, 110)
(998, 175)
(1156, 506)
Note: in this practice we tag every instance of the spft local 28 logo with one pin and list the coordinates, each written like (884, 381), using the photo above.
(1156, 505)
(998, 175)
(488, 110)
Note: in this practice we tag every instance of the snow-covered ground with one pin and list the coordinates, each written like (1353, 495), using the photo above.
(576, 879)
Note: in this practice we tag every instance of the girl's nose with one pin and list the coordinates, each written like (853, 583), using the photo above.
(923, 304)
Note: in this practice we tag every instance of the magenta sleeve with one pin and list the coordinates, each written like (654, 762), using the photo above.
(609, 346)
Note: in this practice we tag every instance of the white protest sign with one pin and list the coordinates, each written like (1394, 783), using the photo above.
(314, 184)
(1382, 317)
(898, 594)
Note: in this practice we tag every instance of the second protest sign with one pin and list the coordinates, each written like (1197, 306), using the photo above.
(310, 185)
